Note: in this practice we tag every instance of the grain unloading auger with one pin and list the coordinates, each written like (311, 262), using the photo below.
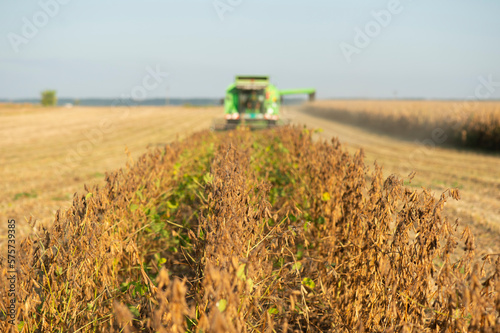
(255, 102)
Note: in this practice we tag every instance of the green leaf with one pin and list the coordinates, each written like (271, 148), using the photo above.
(250, 284)
(306, 225)
(172, 206)
(297, 266)
(320, 220)
(308, 283)
(139, 194)
(241, 272)
(141, 289)
(133, 207)
(89, 195)
(191, 323)
(221, 305)
(273, 311)
(280, 262)
(134, 311)
(20, 326)
(125, 286)
(300, 252)
(158, 226)
(208, 178)
(325, 196)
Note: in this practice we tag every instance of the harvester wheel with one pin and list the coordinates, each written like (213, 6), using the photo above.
(271, 123)
(231, 124)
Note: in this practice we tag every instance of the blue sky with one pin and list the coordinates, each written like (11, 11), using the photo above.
(430, 49)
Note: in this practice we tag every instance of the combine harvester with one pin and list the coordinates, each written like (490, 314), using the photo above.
(254, 102)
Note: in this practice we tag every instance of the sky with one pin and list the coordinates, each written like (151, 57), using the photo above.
(436, 49)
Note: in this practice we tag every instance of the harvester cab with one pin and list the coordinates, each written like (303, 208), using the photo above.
(255, 102)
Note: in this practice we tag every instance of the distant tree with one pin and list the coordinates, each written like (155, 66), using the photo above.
(76, 102)
(49, 98)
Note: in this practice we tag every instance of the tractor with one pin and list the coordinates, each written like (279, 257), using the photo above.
(255, 102)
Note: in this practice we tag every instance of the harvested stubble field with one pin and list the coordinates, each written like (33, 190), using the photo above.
(48, 154)
(246, 231)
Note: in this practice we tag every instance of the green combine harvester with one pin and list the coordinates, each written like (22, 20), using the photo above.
(255, 102)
